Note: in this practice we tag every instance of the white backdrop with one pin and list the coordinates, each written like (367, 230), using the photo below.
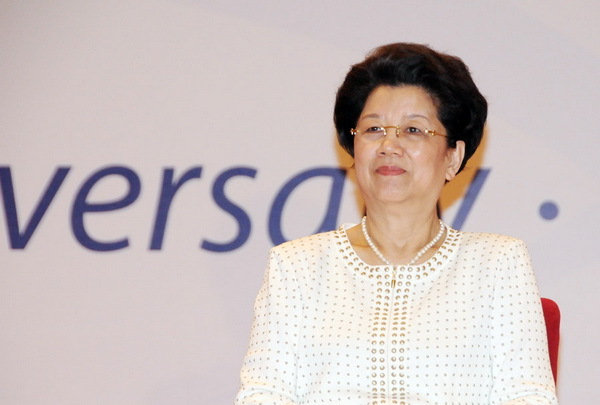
(106, 105)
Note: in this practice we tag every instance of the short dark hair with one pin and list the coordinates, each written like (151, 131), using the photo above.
(461, 107)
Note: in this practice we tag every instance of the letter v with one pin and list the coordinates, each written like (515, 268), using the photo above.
(18, 239)
(470, 197)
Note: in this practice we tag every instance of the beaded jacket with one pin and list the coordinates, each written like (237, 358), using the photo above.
(465, 327)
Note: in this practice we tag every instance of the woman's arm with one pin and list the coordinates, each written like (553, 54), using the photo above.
(268, 374)
(519, 350)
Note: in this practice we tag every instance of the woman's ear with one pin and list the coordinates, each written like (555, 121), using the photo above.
(455, 157)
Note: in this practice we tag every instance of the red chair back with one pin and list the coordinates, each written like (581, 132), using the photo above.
(552, 317)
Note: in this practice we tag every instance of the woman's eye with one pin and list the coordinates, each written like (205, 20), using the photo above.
(413, 130)
(374, 130)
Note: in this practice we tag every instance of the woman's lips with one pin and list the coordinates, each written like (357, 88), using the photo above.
(390, 170)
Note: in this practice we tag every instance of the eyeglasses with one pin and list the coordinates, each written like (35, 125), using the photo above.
(410, 132)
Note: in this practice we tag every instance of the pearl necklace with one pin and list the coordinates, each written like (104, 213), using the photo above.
(381, 257)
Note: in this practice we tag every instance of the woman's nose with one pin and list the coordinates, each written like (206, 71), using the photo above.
(391, 142)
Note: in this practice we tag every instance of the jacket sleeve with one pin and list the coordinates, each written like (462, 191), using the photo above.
(268, 375)
(519, 351)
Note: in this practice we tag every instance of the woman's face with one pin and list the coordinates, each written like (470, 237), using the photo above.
(405, 165)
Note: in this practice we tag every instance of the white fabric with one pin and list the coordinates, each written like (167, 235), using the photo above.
(464, 327)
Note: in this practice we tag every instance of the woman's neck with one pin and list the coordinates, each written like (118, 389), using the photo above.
(399, 237)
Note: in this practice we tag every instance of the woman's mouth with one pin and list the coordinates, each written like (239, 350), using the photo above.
(390, 170)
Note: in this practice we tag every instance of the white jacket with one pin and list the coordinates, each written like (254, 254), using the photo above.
(465, 327)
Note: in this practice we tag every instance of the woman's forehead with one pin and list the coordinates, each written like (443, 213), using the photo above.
(403, 102)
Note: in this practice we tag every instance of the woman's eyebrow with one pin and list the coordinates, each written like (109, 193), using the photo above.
(372, 115)
(411, 116)
(418, 116)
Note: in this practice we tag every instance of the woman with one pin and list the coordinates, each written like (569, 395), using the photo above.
(401, 309)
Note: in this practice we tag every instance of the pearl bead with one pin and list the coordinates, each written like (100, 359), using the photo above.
(414, 260)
